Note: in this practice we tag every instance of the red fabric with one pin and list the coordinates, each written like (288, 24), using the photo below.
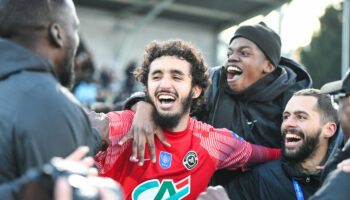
(212, 148)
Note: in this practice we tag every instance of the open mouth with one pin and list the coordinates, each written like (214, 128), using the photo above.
(292, 139)
(233, 71)
(166, 100)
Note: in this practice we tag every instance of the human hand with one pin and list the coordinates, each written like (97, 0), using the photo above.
(214, 193)
(143, 130)
(344, 165)
(100, 122)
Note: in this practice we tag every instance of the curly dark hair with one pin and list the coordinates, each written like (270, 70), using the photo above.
(181, 49)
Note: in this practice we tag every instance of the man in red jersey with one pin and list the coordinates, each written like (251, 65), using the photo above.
(175, 78)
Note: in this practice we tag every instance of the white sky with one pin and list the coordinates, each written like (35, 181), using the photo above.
(300, 20)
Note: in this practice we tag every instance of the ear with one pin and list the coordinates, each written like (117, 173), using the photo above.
(268, 68)
(329, 129)
(197, 90)
(56, 34)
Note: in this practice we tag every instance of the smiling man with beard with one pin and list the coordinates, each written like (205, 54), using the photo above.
(308, 128)
(175, 78)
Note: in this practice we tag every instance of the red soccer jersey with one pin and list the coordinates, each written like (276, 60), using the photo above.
(182, 171)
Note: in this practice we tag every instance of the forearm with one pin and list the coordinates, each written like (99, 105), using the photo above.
(261, 154)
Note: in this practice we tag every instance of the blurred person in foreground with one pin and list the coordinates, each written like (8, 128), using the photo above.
(336, 175)
(247, 95)
(175, 78)
(39, 117)
(308, 128)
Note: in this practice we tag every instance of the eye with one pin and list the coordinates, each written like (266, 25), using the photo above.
(177, 77)
(301, 117)
(229, 53)
(285, 117)
(155, 77)
(244, 53)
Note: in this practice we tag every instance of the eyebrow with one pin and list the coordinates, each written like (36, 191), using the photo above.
(242, 47)
(156, 72)
(298, 112)
(175, 71)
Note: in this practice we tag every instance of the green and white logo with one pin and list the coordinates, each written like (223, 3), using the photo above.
(166, 190)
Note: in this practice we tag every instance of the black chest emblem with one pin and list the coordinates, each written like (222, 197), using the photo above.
(190, 160)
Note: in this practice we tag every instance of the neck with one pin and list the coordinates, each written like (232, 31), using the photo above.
(182, 125)
(315, 159)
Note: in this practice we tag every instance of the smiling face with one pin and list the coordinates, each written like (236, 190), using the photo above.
(246, 64)
(301, 128)
(170, 89)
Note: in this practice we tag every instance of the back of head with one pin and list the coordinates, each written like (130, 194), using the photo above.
(264, 37)
(21, 20)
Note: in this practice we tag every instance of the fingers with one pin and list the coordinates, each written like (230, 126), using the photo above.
(320, 168)
(345, 165)
(62, 190)
(152, 148)
(141, 148)
(78, 154)
(128, 136)
(214, 193)
(161, 137)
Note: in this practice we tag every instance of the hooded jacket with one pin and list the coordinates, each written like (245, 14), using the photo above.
(255, 113)
(274, 180)
(39, 119)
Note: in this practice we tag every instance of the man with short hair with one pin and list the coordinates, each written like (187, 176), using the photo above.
(39, 119)
(308, 128)
(175, 78)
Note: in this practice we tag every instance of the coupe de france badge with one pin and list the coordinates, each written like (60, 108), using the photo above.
(190, 160)
(164, 160)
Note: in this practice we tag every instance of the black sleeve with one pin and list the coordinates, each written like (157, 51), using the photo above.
(244, 187)
(336, 186)
(133, 99)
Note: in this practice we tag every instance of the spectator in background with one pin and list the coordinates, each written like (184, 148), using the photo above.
(85, 88)
(39, 117)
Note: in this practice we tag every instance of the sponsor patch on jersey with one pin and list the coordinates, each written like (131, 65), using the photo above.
(190, 160)
(165, 189)
(237, 136)
(164, 160)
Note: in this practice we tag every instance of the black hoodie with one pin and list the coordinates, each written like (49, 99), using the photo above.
(39, 119)
(255, 113)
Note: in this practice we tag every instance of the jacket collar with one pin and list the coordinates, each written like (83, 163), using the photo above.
(15, 58)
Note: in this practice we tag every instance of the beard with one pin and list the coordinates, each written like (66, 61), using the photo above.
(170, 121)
(66, 75)
(306, 149)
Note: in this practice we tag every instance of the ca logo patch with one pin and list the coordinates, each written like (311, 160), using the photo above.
(167, 190)
(190, 160)
(164, 160)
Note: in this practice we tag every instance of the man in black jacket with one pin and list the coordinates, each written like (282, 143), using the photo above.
(39, 119)
(335, 181)
(308, 128)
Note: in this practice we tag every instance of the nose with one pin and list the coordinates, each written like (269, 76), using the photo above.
(289, 122)
(165, 82)
(233, 57)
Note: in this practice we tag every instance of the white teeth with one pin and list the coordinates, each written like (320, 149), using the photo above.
(166, 97)
(292, 136)
(233, 69)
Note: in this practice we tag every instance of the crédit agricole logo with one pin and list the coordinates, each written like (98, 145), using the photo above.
(167, 189)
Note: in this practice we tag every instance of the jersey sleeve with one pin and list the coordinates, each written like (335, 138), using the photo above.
(119, 125)
(227, 149)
